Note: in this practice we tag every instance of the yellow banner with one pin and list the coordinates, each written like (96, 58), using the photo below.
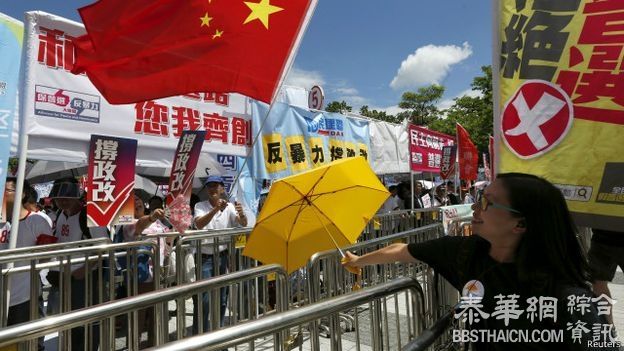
(318, 153)
(297, 152)
(561, 107)
(274, 160)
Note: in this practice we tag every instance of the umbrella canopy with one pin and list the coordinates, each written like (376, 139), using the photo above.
(315, 211)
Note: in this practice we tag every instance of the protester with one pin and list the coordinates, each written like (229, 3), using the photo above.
(70, 226)
(215, 213)
(525, 247)
(145, 224)
(467, 195)
(440, 198)
(606, 253)
(392, 203)
(31, 227)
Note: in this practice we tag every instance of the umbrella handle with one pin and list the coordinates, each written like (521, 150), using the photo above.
(342, 254)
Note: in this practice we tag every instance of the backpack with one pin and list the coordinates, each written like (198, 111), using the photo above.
(143, 259)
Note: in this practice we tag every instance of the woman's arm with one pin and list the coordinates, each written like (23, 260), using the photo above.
(388, 254)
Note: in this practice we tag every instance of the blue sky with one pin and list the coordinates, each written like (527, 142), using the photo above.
(370, 52)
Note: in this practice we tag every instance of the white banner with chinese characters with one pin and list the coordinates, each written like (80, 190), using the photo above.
(389, 148)
(63, 109)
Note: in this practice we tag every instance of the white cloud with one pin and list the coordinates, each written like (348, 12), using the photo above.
(429, 65)
(347, 91)
(304, 79)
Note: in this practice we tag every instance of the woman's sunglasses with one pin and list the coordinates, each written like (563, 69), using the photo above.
(484, 203)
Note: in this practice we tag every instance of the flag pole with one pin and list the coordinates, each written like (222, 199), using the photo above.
(22, 146)
(288, 66)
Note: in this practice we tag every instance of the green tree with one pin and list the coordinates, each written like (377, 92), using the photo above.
(421, 106)
(380, 115)
(473, 113)
(339, 107)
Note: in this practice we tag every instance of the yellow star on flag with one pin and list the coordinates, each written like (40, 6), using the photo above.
(205, 20)
(217, 34)
(261, 11)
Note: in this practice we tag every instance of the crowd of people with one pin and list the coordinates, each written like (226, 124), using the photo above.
(441, 195)
(525, 244)
(64, 220)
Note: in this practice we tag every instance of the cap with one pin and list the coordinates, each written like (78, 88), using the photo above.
(65, 190)
(214, 179)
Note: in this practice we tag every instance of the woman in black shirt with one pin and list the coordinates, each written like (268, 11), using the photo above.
(523, 276)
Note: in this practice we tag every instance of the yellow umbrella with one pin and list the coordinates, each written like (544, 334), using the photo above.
(314, 211)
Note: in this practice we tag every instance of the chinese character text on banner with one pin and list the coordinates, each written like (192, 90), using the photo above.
(184, 164)
(110, 184)
(426, 148)
(562, 101)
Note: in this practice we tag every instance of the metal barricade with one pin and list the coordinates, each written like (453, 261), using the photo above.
(326, 277)
(280, 323)
(108, 310)
(245, 301)
(399, 221)
(97, 286)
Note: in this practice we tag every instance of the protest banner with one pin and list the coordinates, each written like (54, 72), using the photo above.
(110, 181)
(184, 165)
(426, 148)
(295, 139)
(449, 156)
(559, 111)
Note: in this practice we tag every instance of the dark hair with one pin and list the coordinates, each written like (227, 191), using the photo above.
(392, 188)
(29, 194)
(549, 253)
(155, 197)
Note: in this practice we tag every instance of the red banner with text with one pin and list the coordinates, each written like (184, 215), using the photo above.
(426, 148)
(110, 182)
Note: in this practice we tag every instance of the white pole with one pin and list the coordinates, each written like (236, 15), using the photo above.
(22, 146)
(496, 49)
(412, 186)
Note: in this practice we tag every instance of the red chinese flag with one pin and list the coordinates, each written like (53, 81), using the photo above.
(467, 154)
(138, 50)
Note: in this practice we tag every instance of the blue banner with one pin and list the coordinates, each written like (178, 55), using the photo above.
(295, 139)
(11, 39)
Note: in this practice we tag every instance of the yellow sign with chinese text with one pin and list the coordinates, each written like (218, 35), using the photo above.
(274, 158)
(297, 152)
(561, 109)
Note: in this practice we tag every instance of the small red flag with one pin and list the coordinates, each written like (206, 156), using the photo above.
(138, 50)
(468, 155)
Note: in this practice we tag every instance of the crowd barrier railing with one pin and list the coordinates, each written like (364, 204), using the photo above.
(326, 277)
(108, 310)
(399, 221)
(281, 323)
(98, 285)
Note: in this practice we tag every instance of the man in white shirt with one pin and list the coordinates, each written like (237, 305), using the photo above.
(71, 225)
(215, 213)
(30, 228)
(393, 202)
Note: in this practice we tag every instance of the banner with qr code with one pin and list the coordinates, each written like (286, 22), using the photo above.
(110, 182)
(560, 112)
(60, 106)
